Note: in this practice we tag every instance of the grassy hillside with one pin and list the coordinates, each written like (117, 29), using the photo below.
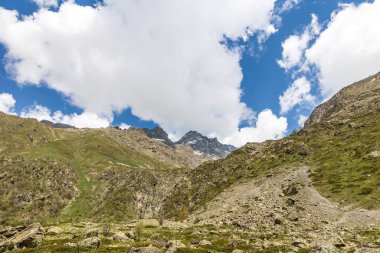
(66, 175)
(337, 145)
(100, 175)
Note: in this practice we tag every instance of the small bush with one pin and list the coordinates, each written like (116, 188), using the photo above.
(365, 191)
(139, 229)
(106, 229)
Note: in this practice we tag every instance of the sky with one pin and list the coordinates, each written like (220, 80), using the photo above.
(239, 70)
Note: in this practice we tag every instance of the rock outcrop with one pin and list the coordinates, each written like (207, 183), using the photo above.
(205, 145)
(22, 237)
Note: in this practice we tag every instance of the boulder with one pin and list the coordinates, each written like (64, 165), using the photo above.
(120, 236)
(325, 249)
(8, 232)
(91, 233)
(91, 243)
(149, 249)
(204, 243)
(130, 235)
(303, 150)
(277, 221)
(291, 190)
(194, 241)
(300, 243)
(70, 244)
(55, 231)
(375, 154)
(30, 237)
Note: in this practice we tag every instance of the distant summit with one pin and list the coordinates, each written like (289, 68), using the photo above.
(205, 145)
(159, 134)
(201, 144)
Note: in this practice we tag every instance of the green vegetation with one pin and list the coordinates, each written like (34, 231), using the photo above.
(343, 169)
(77, 159)
(337, 156)
(221, 239)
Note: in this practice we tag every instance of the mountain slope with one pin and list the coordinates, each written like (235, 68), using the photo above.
(339, 147)
(317, 190)
(82, 174)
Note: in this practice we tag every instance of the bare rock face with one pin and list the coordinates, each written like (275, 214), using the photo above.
(205, 145)
(159, 134)
(29, 237)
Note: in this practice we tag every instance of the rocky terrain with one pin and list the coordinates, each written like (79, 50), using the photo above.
(159, 134)
(205, 145)
(112, 190)
(208, 148)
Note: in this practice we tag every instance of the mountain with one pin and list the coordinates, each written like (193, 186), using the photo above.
(202, 145)
(335, 157)
(56, 125)
(159, 134)
(205, 145)
(109, 190)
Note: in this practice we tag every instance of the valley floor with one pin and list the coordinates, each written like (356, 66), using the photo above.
(148, 236)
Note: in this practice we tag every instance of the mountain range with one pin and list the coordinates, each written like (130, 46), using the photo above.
(111, 190)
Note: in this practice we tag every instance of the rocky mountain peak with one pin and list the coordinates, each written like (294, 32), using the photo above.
(159, 134)
(205, 145)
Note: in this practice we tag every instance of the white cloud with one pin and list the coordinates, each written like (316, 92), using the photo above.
(268, 126)
(301, 120)
(349, 48)
(83, 120)
(289, 4)
(163, 59)
(293, 48)
(46, 3)
(297, 93)
(7, 103)
(36, 111)
(124, 126)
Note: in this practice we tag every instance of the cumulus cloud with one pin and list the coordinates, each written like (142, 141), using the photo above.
(36, 111)
(83, 120)
(7, 103)
(349, 48)
(293, 48)
(297, 93)
(268, 126)
(301, 120)
(163, 59)
(46, 3)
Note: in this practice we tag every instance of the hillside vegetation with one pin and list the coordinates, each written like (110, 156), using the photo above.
(110, 190)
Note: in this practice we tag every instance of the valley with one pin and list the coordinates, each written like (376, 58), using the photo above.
(111, 190)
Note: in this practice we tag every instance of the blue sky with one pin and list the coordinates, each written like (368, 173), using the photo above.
(263, 79)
